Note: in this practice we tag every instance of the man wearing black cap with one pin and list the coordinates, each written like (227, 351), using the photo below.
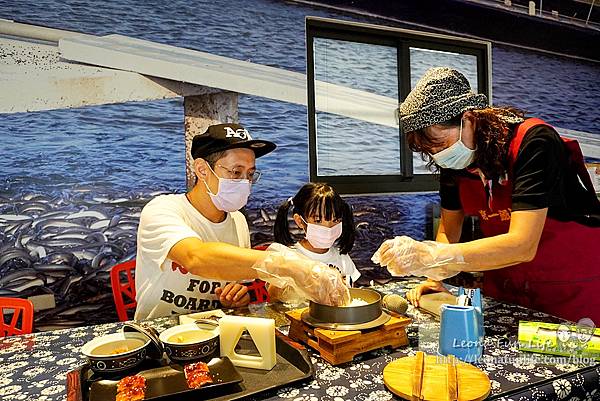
(192, 248)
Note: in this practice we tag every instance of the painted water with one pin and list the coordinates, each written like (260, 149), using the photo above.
(72, 182)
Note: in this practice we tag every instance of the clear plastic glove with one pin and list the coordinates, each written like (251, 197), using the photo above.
(403, 256)
(286, 269)
(286, 295)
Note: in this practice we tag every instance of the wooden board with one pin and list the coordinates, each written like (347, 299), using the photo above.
(209, 70)
(435, 378)
(336, 346)
(433, 302)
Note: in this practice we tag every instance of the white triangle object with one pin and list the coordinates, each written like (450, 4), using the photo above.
(262, 332)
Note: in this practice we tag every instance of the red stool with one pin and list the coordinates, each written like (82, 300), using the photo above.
(257, 288)
(21, 308)
(123, 291)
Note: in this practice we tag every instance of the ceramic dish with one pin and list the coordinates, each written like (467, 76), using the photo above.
(190, 342)
(116, 352)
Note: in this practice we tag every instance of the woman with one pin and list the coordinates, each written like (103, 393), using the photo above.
(523, 182)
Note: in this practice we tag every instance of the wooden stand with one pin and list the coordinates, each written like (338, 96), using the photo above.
(337, 346)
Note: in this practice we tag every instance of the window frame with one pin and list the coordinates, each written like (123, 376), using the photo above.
(402, 40)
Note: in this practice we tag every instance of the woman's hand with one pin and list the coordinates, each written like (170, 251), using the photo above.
(404, 256)
(233, 295)
(424, 287)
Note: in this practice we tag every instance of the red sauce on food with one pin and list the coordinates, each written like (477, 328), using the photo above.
(197, 374)
(131, 388)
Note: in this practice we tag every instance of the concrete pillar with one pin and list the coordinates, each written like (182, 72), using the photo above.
(532, 8)
(202, 111)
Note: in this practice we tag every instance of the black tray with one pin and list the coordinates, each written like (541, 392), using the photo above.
(293, 366)
(167, 382)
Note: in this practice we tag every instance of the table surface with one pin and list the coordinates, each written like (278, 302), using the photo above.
(34, 367)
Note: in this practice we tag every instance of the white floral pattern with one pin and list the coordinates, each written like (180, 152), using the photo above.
(562, 388)
(288, 392)
(337, 391)
(517, 377)
(380, 395)
(330, 373)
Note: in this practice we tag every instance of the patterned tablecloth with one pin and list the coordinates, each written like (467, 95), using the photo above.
(34, 367)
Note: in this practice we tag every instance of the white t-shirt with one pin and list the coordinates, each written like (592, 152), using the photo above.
(334, 258)
(163, 287)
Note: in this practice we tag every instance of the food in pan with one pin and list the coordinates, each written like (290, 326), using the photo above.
(197, 374)
(131, 388)
(357, 302)
(191, 336)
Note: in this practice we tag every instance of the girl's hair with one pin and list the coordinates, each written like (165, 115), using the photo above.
(492, 137)
(320, 201)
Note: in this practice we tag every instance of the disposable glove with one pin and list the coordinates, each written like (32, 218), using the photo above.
(288, 270)
(403, 256)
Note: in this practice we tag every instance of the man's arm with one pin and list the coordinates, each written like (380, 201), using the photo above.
(216, 260)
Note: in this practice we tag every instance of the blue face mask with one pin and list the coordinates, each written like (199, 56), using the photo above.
(457, 156)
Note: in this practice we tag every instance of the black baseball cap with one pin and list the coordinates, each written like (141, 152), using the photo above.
(221, 137)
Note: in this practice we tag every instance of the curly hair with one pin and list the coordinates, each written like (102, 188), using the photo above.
(492, 136)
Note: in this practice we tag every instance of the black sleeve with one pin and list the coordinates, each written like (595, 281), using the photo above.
(537, 171)
(449, 195)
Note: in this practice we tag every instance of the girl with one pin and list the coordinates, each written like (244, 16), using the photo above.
(326, 221)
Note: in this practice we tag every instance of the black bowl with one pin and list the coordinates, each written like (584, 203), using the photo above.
(116, 352)
(179, 350)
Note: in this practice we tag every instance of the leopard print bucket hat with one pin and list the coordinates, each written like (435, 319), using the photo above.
(441, 94)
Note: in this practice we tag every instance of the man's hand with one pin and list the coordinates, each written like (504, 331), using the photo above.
(316, 281)
(233, 295)
(424, 287)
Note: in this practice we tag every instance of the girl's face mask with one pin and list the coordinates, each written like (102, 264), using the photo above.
(457, 156)
(321, 237)
(232, 195)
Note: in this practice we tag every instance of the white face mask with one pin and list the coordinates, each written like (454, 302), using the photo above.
(457, 156)
(321, 237)
(232, 195)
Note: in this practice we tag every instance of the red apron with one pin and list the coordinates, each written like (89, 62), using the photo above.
(564, 277)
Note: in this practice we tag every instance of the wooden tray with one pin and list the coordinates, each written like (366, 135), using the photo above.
(336, 346)
(429, 377)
